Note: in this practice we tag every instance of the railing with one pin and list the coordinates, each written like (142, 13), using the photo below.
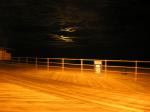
(106, 66)
(63, 63)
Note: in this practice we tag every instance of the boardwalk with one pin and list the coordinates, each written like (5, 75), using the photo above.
(26, 89)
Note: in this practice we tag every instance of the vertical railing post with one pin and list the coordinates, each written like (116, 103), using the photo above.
(36, 62)
(63, 64)
(105, 68)
(26, 60)
(18, 60)
(81, 65)
(136, 70)
(12, 60)
(48, 64)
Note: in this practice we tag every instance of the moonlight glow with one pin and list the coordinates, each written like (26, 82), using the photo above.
(69, 29)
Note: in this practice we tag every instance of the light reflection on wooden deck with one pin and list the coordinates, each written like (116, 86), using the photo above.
(24, 89)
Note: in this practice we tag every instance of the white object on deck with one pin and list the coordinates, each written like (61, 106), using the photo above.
(98, 66)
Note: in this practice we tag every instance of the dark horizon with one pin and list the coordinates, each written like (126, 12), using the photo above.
(99, 29)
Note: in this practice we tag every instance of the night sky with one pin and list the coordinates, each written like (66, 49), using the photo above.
(108, 29)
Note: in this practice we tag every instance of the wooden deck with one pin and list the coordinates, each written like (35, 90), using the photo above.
(26, 89)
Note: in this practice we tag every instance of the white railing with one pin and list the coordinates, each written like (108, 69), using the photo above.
(113, 66)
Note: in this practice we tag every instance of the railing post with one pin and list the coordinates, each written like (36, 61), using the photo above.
(36, 62)
(81, 65)
(11, 60)
(136, 70)
(26, 60)
(63, 64)
(105, 69)
(18, 60)
(48, 64)
(105, 66)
